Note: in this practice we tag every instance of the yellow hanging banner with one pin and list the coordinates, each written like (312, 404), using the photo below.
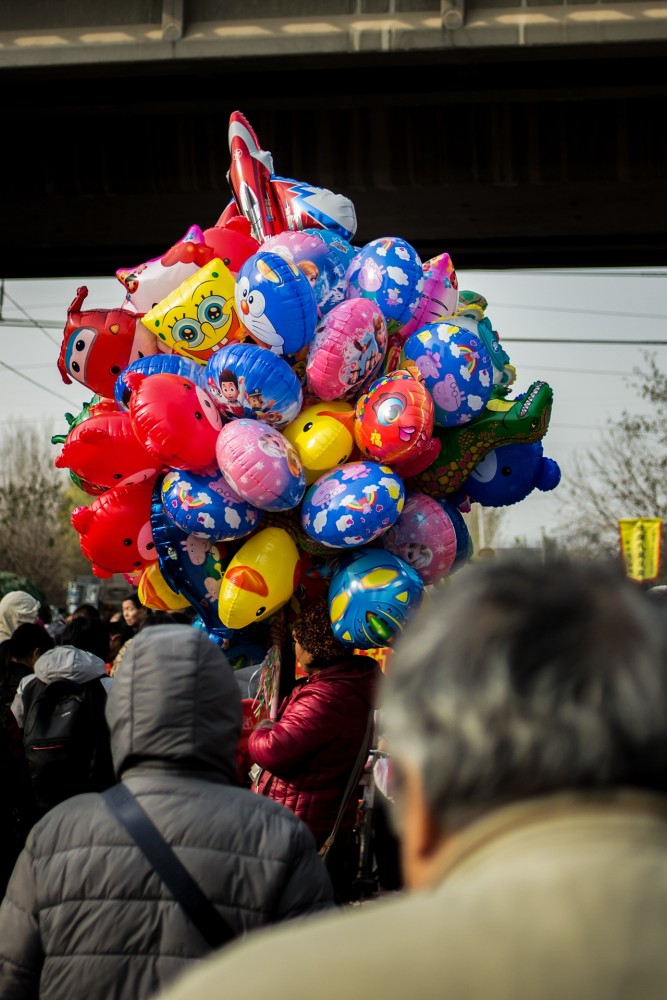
(640, 546)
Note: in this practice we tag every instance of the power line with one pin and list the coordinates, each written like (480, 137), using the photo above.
(33, 322)
(27, 378)
(581, 340)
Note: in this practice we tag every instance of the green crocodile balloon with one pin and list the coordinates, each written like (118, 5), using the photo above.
(503, 421)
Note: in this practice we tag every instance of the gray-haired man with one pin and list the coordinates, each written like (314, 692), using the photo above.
(526, 712)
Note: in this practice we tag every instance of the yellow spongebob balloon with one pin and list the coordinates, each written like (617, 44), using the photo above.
(261, 577)
(199, 317)
(155, 592)
(322, 436)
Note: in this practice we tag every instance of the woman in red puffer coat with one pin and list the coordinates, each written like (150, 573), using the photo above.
(309, 753)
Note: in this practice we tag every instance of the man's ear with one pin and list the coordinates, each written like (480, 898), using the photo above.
(421, 837)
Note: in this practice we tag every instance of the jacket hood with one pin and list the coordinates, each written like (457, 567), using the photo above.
(16, 608)
(69, 663)
(174, 700)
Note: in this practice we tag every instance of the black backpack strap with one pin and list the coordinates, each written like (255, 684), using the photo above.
(213, 928)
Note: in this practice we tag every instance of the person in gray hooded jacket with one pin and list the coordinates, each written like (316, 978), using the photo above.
(85, 914)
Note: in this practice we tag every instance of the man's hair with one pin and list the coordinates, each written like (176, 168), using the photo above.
(526, 677)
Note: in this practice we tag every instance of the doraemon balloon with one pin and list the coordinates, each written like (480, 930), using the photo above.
(323, 265)
(388, 271)
(424, 537)
(260, 578)
(456, 368)
(260, 465)
(276, 303)
(176, 420)
(323, 436)
(352, 505)
(509, 473)
(199, 316)
(394, 418)
(347, 350)
(372, 597)
(153, 365)
(246, 380)
(207, 506)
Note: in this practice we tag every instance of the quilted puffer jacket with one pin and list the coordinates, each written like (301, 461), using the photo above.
(309, 753)
(85, 915)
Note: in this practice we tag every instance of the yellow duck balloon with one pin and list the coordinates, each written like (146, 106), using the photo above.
(260, 578)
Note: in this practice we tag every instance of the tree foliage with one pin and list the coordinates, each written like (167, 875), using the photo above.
(624, 476)
(36, 537)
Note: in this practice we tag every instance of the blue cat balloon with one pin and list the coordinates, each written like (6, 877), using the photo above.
(276, 303)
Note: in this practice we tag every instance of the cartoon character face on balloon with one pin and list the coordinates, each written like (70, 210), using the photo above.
(372, 597)
(347, 350)
(424, 538)
(260, 465)
(246, 380)
(509, 473)
(276, 303)
(199, 316)
(394, 418)
(99, 343)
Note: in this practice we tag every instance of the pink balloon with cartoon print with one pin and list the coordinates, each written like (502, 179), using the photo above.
(347, 351)
(260, 465)
(176, 420)
(439, 297)
(423, 537)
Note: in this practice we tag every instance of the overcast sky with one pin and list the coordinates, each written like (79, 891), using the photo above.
(529, 309)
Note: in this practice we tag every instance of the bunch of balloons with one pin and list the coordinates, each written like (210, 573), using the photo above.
(277, 412)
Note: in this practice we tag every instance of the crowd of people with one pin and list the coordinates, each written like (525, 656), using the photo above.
(523, 715)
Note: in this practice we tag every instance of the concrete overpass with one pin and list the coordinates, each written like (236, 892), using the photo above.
(509, 133)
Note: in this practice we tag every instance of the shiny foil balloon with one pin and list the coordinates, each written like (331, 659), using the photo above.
(191, 566)
(276, 303)
(347, 350)
(176, 419)
(456, 368)
(323, 436)
(439, 296)
(372, 597)
(394, 418)
(388, 271)
(149, 283)
(199, 316)
(260, 578)
(424, 537)
(246, 380)
(510, 473)
(352, 505)
(260, 465)
(154, 591)
(207, 507)
(323, 265)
